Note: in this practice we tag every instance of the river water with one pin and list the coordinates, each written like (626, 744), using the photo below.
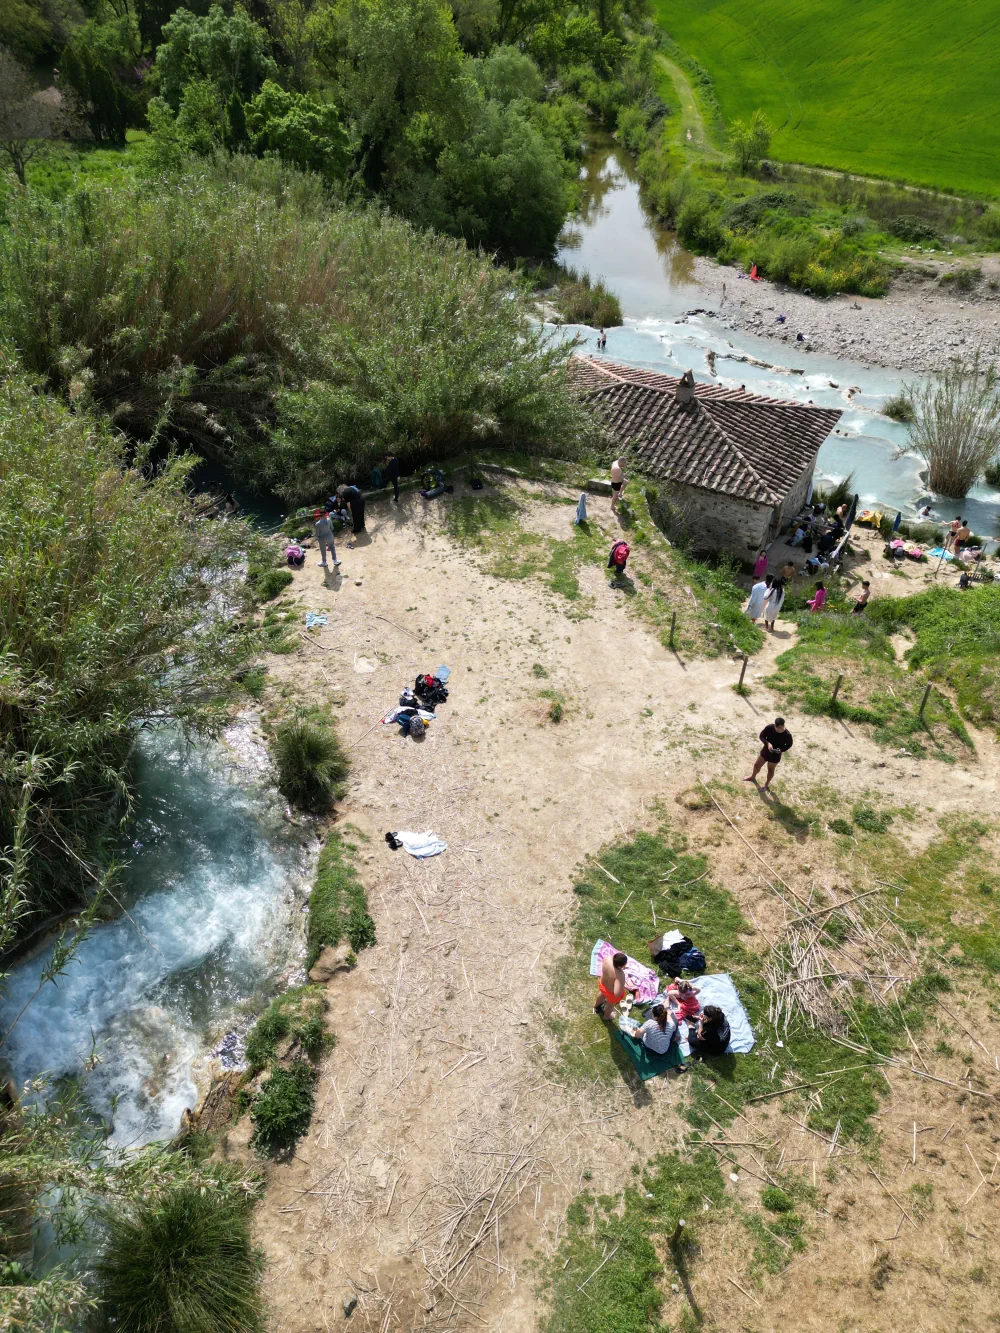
(614, 237)
(214, 888)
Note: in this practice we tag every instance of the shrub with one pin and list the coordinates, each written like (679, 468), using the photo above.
(991, 472)
(338, 907)
(746, 214)
(583, 300)
(907, 227)
(775, 1199)
(283, 1108)
(843, 827)
(963, 279)
(180, 1262)
(297, 1013)
(750, 141)
(268, 580)
(872, 821)
(956, 427)
(834, 494)
(899, 408)
(311, 763)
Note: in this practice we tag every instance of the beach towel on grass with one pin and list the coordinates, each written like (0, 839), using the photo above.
(647, 1063)
(718, 989)
(643, 980)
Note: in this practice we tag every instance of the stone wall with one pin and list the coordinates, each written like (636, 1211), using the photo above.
(795, 498)
(722, 523)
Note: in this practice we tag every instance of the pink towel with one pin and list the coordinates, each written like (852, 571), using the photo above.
(643, 980)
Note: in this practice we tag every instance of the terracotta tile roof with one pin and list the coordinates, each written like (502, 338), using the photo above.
(741, 444)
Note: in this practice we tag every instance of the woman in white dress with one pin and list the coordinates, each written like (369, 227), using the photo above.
(758, 593)
(774, 602)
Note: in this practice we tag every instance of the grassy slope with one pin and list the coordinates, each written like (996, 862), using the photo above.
(898, 88)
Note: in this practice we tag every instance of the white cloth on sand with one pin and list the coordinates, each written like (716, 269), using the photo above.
(755, 605)
(422, 844)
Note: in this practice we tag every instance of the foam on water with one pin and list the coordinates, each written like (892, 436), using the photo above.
(213, 894)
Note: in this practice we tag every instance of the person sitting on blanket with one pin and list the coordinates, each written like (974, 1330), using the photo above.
(683, 1000)
(658, 1031)
(611, 987)
(711, 1035)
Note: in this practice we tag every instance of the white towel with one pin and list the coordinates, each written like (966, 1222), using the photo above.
(421, 845)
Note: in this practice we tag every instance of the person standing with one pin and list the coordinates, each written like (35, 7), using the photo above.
(758, 596)
(611, 985)
(775, 740)
(323, 532)
(953, 527)
(787, 571)
(861, 601)
(775, 601)
(617, 482)
(390, 470)
(760, 565)
(355, 501)
(961, 538)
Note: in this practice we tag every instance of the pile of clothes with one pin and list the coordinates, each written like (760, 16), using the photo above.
(415, 708)
(673, 953)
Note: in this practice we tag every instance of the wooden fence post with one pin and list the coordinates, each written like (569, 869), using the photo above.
(673, 622)
(743, 670)
(836, 690)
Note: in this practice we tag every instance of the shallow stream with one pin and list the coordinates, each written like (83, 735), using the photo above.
(214, 888)
(615, 237)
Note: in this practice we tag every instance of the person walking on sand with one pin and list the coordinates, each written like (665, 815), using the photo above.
(323, 532)
(612, 985)
(760, 565)
(617, 482)
(775, 601)
(755, 604)
(775, 739)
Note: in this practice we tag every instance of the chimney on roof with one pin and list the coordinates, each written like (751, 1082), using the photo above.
(684, 393)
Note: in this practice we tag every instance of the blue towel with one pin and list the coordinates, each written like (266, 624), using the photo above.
(718, 989)
(314, 618)
(442, 673)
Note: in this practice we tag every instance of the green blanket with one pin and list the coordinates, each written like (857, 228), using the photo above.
(647, 1063)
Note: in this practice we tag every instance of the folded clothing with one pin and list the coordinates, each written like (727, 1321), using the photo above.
(642, 980)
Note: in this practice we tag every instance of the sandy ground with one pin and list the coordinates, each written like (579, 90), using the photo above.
(438, 1090)
(917, 327)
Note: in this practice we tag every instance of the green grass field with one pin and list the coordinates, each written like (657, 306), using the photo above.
(904, 89)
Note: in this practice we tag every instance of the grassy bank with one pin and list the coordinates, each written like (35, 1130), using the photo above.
(338, 905)
(839, 84)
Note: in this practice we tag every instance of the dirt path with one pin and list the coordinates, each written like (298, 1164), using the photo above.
(695, 135)
(438, 1088)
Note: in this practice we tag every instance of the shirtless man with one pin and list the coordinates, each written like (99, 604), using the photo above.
(953, 527)
(961, 538)
(617, 482)
(611, 986)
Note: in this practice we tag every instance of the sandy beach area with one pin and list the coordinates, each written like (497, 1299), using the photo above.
(919, 325)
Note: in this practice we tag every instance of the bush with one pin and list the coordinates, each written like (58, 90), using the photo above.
(180, 1262)
(268, 580)
(746, 214)
(297, 1013)
(338, 907)
(899, 408)
(872, 821)
(907, 227)
(776, 1200)
(834, 494)
(296, 338)
(991, 472)
(843, 827)
(963, 279)
(115, 608)
(311, 763)
(283, 1108)
(583, 300)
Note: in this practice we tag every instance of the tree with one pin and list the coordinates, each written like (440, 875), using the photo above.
(956, 423)
(24, 29)
(750, 141)
(401, 72)
(104, 66)
(504, 185)
(28, 118)
(230, 50)
(299, 128)
(507, 75)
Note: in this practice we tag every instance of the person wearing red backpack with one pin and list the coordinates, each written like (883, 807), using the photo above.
(618, 559)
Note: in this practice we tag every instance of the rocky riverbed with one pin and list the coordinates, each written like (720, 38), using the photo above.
(919, 325)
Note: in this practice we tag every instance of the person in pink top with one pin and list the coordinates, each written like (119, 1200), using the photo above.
(760, 565)
(683, 1000)
(819, 601)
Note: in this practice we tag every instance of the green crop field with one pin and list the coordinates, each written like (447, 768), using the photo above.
(904, 89)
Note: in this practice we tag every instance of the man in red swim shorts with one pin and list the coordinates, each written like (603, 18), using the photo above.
(611, 986)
